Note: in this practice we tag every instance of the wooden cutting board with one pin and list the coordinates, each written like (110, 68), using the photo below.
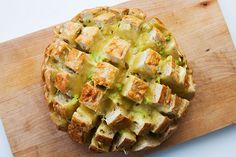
(200, 30)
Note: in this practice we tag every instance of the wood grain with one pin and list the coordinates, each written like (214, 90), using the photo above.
(201, 32)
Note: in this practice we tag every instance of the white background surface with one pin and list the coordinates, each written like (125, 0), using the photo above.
(5, 150)
(20, 17)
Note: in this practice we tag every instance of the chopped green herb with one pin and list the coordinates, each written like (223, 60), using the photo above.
(115, 97)
(147, 101)
(105, 60)
(74, 99)
(162, 51)
(122, 132)
(90, 76)
(178, 62)
(168, 38)
(158, 43)
(97, 56)
(119, 87)
(158, 80)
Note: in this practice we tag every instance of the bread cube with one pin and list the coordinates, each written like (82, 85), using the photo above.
(168, 132)
(104, 133)
(134, 88)
(169, 74)
(182, 72)
(183, 108)
(48, 97)
(142, 122)
(116, 50)
(117, 118)
(57, 49)
(175, 104)
(49, 78)
(125, 140)
(88, 36)
(177, 78)
(158, 94)
(65, 106)
(87, 15)
(142, 127)
(173, 74)
(179, 105)
(83, 120)
(146, 62)
(146, 142)
(68, 30)
(60, 122)
(138, 13)
(120, 11)
(98, 147)
(189, 87)
(161, 123)
(91, 97)
(176, 107)
(105, 74)
(156, 35)
(104, 18)
(78, 135)
(134, 22)
(75, 60)
(158, 24)
(62, 80)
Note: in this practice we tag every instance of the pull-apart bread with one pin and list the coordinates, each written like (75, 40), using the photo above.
(116, 80)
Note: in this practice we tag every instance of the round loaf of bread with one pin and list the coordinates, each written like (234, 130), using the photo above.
(116, 80)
